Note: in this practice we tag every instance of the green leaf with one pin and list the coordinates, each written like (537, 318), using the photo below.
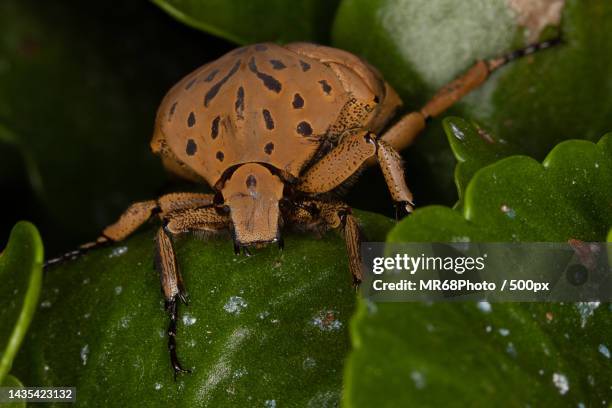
(473, 148)
(10, 381)
(272, 326)
(21, 277)
(419, 45)
(245, 22)
(518, 199)
(409, 354)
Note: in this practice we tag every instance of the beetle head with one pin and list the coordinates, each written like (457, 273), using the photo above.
(252, 194)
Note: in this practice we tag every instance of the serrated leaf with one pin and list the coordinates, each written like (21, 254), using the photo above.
(409, 354)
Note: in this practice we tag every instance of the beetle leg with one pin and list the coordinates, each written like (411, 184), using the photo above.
(191, 220)
(348, 157)
(172, 288)
(339, 164)
(322, 216)
(403, 133)
(352, 239)
(135, 216)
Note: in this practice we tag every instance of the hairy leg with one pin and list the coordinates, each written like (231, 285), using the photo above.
(175, 223)
(320, 216)
(348, 157)
(135, 216)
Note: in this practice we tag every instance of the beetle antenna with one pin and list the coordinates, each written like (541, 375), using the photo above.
(495, 63)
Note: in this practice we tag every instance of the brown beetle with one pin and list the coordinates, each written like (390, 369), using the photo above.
(276, 131)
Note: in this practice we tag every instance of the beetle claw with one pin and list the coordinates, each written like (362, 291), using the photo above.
(403, 208)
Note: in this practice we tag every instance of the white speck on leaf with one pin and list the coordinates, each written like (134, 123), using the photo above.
(457, 132)
(263, 315)
(326, 320)
(84, 353)
(270, 404)
(118, 251)
(484, 306)
(504, 332)
(45, 304)
(118, 290)
(586, 310)
(604, 350)
(241, 372)
(511, 350)
(86, 281)
(125, 322)
(510, 213)
(309, 363)
(234, 305)
(419, 379)
(158, 386)
(189, 320)
(560, 381)
(488, 329)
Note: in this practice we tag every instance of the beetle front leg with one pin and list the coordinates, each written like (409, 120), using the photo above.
(173, 288)
(136, 215)
(351, 154)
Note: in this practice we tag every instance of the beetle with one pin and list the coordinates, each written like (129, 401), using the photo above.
(277, 131)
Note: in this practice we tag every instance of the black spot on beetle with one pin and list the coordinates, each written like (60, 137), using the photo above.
(268, 119)
(172, 110)
(191, 148)
(298, 101)
(211, 76)
(268, 148)
(214, 127)
(376, 99)
(191, 120)
(269, 81)
(304, 128)
(260, 47)
(239, 106)
(277, 64)
(190, 84)
(220, 156)
(305, 66)
(251, 181)
(212, 92)
(325, 86)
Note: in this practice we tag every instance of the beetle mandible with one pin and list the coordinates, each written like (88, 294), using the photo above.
(276, 131)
